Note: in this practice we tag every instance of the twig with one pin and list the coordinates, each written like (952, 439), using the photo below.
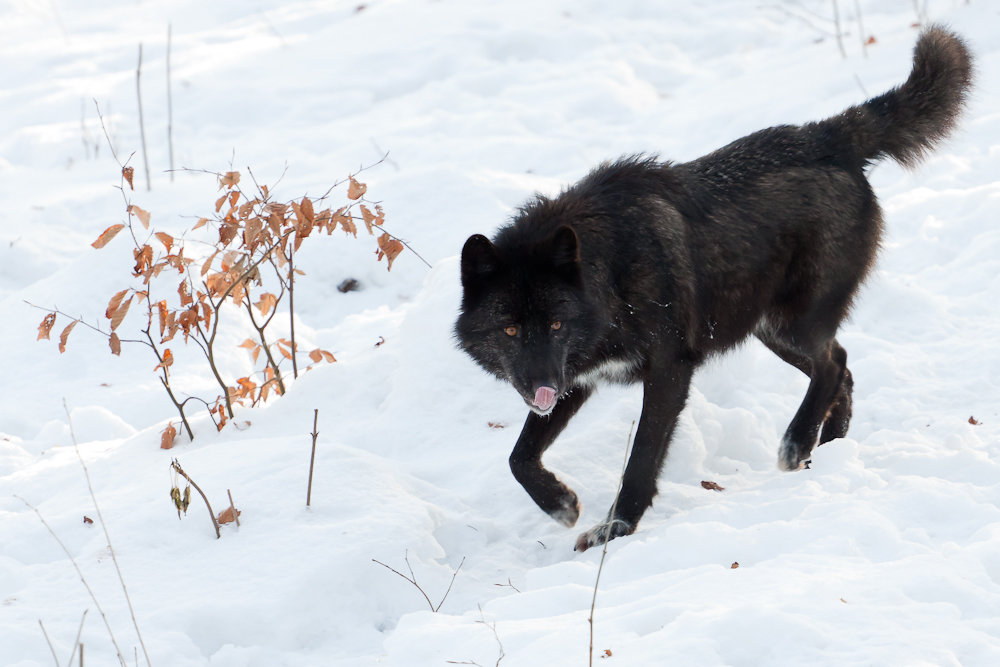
(312, 458)
(142, 127)
(861, 30)
(106, 535)
(180, 471)
(79, 572)
(232, 508)
(507, 585)
(836, 21)
(405, 244)
(170, 106)
(857, 80)
(413, 580)
(611, 520)
(291, 304)
(49, 642)
(76, 642)
(492, 627)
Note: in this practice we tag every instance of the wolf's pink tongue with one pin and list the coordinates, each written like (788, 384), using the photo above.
(545, 398)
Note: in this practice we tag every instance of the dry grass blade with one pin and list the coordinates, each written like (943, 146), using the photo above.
(611, 519)
(104, 527)
(72, 560)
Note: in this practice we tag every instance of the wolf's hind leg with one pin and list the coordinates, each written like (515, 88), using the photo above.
(555, 498)
(838, 418)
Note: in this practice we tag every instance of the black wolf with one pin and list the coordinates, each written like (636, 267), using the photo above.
(644, 269)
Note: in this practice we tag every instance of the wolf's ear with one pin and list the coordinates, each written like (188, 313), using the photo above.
(566, 251)
(479, 259)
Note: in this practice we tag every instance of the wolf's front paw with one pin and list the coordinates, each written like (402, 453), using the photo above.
(569, 510)
(603, 532)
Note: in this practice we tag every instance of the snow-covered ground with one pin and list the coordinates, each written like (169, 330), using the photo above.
(885, 552)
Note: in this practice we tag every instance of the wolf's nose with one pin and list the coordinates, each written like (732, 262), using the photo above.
(545, 398)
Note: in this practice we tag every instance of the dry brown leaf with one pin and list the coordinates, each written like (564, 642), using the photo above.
(141, 214)
(369, 218)
(64, 335)
(496, 425)
(167, 437)
(182, 291)
(734, 566)
(220, 201)
(87, 519)
(120, 314)
(127, 173)
(316, 356)
(390, 248)
(116, 301)
(166, 239)
(607, 653)
(355, 190)
(712, 486)
(168, 360)
(226, 515)
(230, 179)
(871, 40)
(207, 266)
(107, 235)
(843, 600)
(201, 223)
(248, 344)
(256, 353)
(307, 209)
(974, 421)
(329, 357)
(143, 259)
(116, 345)
(266, 303)
(222, 416)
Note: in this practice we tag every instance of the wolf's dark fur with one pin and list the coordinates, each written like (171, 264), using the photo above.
(643, 269)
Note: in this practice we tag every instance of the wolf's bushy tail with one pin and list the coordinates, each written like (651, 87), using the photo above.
(909, 120)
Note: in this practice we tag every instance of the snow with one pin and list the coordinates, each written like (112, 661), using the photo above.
(887, 551)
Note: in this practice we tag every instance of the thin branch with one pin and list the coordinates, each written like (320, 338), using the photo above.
(106, 534)
(232, 508)
(81, 321)
(170, 106)
(312, 458)
(142, 127)
(69, 663)
(836, 22)
(180, 471)
(404, 243)
(49, 642)
(607, 538)
(79, 572)
(106, 135)
(413, 579)
(491, 626)
(861, 31)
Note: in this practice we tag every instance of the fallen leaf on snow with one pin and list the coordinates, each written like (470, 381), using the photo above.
(712, 486)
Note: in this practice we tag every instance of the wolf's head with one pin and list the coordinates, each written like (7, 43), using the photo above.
(525, 318)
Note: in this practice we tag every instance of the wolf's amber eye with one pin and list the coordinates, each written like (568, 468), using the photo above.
(556, 326)
(511, 331)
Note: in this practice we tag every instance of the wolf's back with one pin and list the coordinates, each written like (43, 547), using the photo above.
(909, 120)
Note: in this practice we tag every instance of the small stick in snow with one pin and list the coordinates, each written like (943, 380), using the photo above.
(142, 127)
(76, 642)
(107, 536)
(836, 21)
(51, 648)
(232, 508)
(492, 627)
(861, 30)
(312, 458)
(413, 579)
(170, 109)
(180, 471)
(604, 553)
(82, 578)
